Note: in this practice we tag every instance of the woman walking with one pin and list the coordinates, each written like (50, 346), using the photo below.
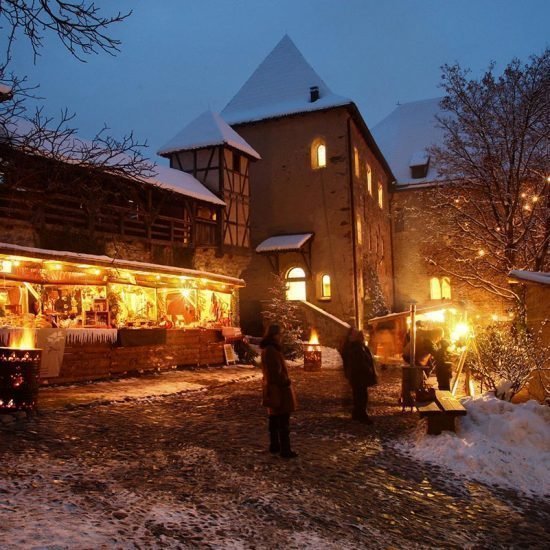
(278, 395)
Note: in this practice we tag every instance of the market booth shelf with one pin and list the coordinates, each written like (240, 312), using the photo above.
(96, 316)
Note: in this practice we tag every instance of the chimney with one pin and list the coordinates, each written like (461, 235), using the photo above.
(313, 94)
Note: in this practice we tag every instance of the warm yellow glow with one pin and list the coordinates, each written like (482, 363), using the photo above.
(54, 267)
(460, 332)
(380, 195)
(321, 156)
(435, 289)
(296, 284)
(446, 288)
(437, 316)
(5, 266)
(314, 338)
(481, 253)
(23, 341)
(95, 271)
(369, 179)
(326, 290)
(523, 195)
(494, 317)
(185, 292)
(535, 198)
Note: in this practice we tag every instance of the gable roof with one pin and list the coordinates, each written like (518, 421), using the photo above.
(72, 150)
(280, 86)
(405, 134)
(206, 130)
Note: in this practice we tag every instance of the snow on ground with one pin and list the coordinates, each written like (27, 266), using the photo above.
(64, 504)
(497, 442)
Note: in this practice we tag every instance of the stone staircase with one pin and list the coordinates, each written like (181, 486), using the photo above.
(331, 330)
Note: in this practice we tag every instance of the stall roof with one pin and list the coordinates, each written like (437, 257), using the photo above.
(281, 243)
(540, 277)
(425, 309)
(72, 150)
(107, 261)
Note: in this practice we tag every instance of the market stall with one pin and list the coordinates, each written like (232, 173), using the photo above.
(100, 316)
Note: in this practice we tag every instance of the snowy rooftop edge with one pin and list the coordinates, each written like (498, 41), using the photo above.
(286, 109)
(207, 130)
(540, 277)
(164, 177)
(14, 249)
(284, 242)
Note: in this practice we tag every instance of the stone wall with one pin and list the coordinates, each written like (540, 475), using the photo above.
(413, 231)
(289, 196)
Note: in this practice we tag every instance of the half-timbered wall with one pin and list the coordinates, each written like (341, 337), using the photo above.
(225, 172)
(236, 194)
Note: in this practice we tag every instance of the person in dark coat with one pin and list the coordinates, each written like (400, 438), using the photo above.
(360, 373)
(443, 365)
(278, 394)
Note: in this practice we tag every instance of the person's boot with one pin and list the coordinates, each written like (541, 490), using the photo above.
(286, 451)
(274, 444)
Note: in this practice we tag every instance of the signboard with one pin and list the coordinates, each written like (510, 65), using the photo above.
(230, 355)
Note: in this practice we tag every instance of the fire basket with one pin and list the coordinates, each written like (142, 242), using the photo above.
(312, 353)
(19, 379)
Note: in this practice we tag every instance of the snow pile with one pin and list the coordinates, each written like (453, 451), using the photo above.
(331, 359)
(497, 443)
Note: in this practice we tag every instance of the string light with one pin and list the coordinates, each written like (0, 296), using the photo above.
(481, 252)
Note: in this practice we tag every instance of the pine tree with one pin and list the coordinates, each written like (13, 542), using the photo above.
(285, 313)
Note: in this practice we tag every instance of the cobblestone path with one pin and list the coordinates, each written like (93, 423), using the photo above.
(192, 470)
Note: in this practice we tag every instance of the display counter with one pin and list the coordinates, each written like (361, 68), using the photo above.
(72, 355)
(182, 347)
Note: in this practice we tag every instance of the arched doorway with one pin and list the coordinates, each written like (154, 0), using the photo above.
(296, 284)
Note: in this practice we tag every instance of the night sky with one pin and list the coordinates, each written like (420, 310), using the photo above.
(181, 57)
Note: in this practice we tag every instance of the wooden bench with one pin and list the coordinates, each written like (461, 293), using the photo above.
(441, 413)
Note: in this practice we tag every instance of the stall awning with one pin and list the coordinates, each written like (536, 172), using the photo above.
(22, 252)
(419, 310)
(539, 277)
(279, 244)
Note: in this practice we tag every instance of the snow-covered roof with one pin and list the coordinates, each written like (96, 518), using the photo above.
(206, 130)
(404, 136)
(280, 86)
(280, 243)
(107, 261)
(182, 183)
(540, 277)
(71, 149)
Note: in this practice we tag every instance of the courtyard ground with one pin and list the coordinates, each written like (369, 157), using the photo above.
(179, 461)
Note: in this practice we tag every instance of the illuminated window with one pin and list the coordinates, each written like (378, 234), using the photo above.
(356, 162)
(435, 289)
(359, 230)
(369, 179)
(325, 286)
(318, 154)
(446, 288)
(380, 195)
(296, 284)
